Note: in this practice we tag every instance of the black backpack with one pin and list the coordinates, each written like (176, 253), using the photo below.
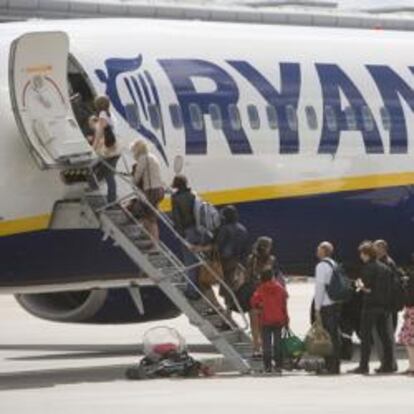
(339, 289)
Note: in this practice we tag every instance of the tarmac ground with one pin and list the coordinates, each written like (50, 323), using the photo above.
(47, 367)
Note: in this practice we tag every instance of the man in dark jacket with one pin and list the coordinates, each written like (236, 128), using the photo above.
(182, 201)
(327, 311)
(375, 284)
(232, 241)
(382, 249)
(184, 220)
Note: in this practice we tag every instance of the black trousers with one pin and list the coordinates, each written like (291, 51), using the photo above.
(272, 346)
(377, 318)
(331, 316)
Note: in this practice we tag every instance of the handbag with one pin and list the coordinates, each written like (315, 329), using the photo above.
(292, 346)
(244, 294)
(155, 196)
(136, 207)
(212, 273)
(318, 342)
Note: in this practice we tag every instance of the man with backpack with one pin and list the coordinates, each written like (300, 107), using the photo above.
(183, 203)
(327, 309)
(183, 200)
(196, 220)
(232, 242)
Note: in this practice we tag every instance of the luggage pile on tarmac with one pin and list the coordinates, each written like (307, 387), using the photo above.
(166, 356)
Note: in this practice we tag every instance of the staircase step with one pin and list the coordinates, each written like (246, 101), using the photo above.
(144, 245)
(215, 320)
(180, 286)
(164, 264)
(96, 201)
(118, 216)
(233, 337)
(246, 349)
(134, 232)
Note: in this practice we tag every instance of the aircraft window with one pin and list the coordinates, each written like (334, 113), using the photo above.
(253, 115)
(132, 115)
(216, 117)
(368, 119)
(196, 117)
(331, 118)
(386, 118)
(350, 118)
(272, 117)
(234, 116)
(311, 117)
(292, 117)
(176, 116)
(155, 116)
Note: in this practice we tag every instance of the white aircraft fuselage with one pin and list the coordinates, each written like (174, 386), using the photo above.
(309, 131)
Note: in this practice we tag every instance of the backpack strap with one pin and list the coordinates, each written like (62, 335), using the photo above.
(330, 262)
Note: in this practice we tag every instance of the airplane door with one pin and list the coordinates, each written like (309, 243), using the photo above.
(40, 100)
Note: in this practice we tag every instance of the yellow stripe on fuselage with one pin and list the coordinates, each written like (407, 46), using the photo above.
(251, 194)
(23, 225)
(309, 188)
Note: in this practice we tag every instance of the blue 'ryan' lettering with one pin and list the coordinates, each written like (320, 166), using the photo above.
(181, 72)
(392, 87)
(290, 81)
(334, 81)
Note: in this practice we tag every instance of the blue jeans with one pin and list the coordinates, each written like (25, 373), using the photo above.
(111, 186)
(102, 172)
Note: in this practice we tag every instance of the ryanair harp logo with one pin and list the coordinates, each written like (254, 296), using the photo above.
(134, 95)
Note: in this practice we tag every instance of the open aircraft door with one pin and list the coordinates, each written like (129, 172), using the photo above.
(40, 100)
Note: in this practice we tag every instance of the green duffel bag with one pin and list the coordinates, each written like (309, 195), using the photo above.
(292, 346)
(318, 341)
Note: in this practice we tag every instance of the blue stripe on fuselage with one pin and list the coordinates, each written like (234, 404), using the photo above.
(296, 224)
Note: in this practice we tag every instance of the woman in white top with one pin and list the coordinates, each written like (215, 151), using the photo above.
(103, 119)
(147, 177)
(106, 146)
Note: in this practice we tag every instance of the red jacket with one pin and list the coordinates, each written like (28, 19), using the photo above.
(271, 298)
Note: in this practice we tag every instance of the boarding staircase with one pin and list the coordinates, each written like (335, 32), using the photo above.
(158, 262)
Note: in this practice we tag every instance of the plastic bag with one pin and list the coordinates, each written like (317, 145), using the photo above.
(162, 340)
(318, 341)
(292, 345)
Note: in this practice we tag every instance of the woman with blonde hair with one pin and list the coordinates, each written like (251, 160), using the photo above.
(147, 177)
